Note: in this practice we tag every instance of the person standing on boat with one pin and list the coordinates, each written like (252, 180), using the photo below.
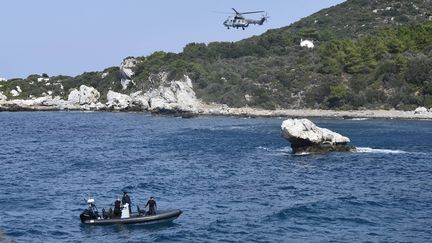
(126, 199)
(117, 207)
(152, 206)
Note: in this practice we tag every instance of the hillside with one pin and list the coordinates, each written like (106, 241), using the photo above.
(356, 18)
(368, 54)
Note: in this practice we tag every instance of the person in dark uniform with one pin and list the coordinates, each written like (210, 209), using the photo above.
(152, 206)
(126, 199)
(117, 209)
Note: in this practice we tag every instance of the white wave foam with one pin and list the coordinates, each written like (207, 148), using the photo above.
(360, 119)
(284, 149)
(263, 148)
(302, 154)
(278, 151)
(378, 151)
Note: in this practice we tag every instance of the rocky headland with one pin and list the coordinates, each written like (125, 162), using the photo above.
(171, 97)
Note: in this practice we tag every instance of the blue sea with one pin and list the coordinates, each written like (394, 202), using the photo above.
(235, 179)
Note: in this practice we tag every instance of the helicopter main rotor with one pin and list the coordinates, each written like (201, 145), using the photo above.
(240, 14)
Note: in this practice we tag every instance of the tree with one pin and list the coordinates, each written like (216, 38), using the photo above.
(338, 94)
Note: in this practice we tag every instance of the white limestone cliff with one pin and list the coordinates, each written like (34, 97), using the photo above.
(84, 96)
(170, 96)
(16, 92)
(178, 96)
(118, 101)
(126, 68)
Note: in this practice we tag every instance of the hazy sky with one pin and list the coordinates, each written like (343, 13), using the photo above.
(73, 36)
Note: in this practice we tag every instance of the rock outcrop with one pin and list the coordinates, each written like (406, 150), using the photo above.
(170, 97)
(16, 92)
(84, 96)
(306, 137)
(179, 96)
(126, 68)
(420, 110)
(118, 101)
(40, 103)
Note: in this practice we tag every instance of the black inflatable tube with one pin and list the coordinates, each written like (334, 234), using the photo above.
(160, 217)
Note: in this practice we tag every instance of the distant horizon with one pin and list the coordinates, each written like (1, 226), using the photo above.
(70, 38)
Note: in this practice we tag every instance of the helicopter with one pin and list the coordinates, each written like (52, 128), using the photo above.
(238, 21)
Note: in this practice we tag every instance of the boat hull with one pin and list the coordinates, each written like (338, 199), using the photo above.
(160, 217)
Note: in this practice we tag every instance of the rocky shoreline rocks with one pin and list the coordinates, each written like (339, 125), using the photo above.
(139, 102)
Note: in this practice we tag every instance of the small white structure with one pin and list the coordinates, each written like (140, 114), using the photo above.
(307, 43)
(2, 79)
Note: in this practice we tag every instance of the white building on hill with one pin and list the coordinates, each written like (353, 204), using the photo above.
(307, 43)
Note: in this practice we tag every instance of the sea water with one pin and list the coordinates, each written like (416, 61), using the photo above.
(234, 179)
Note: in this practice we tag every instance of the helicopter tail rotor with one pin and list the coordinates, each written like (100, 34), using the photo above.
(264, 18)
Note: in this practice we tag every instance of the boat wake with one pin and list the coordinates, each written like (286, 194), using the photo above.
(288, 150)
(378, 151)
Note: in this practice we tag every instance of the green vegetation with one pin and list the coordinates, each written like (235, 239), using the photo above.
(389, 68)
(368, 55)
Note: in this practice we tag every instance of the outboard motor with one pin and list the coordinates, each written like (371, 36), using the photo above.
(91, 212)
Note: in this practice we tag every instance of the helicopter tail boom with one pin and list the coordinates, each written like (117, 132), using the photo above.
(258, 22)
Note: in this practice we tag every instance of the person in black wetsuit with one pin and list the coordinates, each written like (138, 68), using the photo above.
(152, 206)
(117, 208)
(126, 199)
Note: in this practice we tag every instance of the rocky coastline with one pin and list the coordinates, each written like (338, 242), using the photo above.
(175, 97)
(223, 110)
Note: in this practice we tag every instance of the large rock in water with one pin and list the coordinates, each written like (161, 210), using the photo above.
(306, 137)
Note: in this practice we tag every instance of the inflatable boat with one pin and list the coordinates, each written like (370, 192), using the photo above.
(91, 216)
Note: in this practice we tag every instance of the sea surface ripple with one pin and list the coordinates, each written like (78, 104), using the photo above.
(234, 179)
